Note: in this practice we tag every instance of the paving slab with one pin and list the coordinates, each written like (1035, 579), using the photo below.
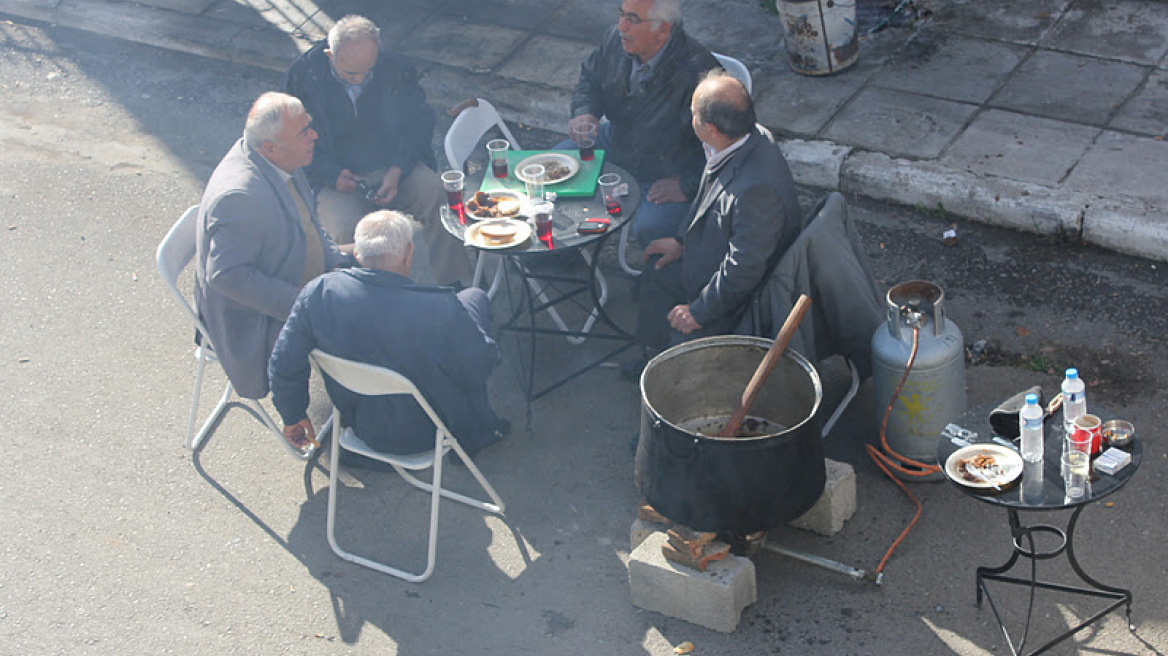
(516, 14)
(548, 60)
(194, 7)
(165, 29)
(1006, 20)
(1129, 30)
(899, 123)
(1147, 111)
(952, 66)
(1123, 165)
(397, 20)
(469, 46)
(1089, 89)
(1025, 148)
(581, 21)
(745, 30)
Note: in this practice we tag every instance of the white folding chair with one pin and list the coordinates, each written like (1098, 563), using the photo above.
(475, 117)
(736, 69)
(368, 380)
(175, 252)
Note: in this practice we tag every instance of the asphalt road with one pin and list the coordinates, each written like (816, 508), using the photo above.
(119, 541)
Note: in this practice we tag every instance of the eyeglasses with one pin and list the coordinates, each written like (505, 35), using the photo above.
(633, 19)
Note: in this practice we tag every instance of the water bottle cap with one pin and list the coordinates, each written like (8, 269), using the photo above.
(1031, 399)
(1072, 373)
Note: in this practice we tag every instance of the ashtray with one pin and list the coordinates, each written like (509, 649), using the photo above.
(1118, 432)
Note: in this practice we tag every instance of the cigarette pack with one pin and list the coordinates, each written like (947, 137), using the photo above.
(1112, 460)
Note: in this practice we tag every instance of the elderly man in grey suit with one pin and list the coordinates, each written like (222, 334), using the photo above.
(745, 215)
(259, 240)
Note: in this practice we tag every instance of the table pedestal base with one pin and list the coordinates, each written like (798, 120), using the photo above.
(1024, 546)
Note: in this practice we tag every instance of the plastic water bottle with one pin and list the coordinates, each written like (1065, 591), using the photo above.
(1030, 422)
(1074, 399)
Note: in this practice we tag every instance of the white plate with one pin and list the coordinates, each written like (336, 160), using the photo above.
(498, 193)
(567, 161)
(1008, 461)
(522, 234)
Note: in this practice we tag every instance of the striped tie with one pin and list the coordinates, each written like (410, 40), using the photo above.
(313, 248)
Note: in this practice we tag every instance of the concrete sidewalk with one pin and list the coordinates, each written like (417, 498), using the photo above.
(1045, 117)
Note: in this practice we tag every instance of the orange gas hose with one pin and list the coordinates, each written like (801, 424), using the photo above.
(888, 459)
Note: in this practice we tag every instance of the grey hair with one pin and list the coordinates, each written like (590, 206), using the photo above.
(383, 234)
(350, 29)
(665, 10)
(267, 117)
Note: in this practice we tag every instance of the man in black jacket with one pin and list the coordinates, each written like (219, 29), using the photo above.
(746, 215)
(641, 79)
(374, 149)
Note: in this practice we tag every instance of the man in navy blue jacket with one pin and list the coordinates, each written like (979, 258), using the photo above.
(377, 315)
(374, 148)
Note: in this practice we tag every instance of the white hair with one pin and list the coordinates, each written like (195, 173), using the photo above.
(267, 117)
(350, 29)
(665, 10)
(383, 234)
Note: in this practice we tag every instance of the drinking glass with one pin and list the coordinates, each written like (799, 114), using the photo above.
(452, 182)
(542, 211)
(1076, 464)
(610, 192)
(533, 176)
(498, 151)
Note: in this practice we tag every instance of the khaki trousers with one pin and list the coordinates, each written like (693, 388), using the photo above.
(439, 257)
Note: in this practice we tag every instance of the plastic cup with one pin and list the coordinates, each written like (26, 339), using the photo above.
(1079, 441)
(610, 192)
(1091, 426)
(587, 147)
(533, 176)
(542, 211)
(453, 182)
(1076, 468)
(497, 149)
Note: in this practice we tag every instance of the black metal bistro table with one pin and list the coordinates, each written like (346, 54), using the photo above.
(1040, 488)
(546, 287)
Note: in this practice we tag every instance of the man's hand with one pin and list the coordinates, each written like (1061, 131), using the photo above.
(301, 434)
(667, 247)
(666, 190)
(681, 320)
(346, 181)
(388, 189)
(578, 122)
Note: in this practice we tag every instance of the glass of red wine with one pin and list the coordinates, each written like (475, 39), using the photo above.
(452, 182)
(498, 151)
(610, 188)
(543, 211)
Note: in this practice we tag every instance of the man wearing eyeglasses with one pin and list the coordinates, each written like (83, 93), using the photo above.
(641, 79)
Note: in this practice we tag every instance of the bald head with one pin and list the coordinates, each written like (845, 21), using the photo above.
(720, 101)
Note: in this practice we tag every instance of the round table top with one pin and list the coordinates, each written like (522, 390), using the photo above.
(1040, 487)
(569, 214)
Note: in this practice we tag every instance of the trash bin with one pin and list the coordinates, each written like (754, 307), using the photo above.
(820, 35)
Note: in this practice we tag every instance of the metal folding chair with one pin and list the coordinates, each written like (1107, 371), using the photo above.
(369, 380)
(175, 252)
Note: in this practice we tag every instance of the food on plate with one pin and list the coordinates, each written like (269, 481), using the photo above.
(984, 463)
(488, 205)
(498, 233)
(553, 171)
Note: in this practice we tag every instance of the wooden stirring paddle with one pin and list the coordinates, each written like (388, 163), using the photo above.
(768, 363)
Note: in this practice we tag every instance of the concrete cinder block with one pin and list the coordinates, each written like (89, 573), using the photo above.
(713, 599)
(836, 505)
(642, 529)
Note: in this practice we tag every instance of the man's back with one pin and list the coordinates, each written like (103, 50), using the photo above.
(420, 331)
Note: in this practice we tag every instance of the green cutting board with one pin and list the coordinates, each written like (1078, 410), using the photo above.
(581, 185)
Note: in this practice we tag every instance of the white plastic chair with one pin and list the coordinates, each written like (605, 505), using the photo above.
(175, 252)
(474, 118)
(369, 380)
(737, 69)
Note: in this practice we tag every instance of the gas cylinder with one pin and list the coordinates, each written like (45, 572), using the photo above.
(934, 391)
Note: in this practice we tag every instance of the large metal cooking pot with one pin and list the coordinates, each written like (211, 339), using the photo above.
(740, 484)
